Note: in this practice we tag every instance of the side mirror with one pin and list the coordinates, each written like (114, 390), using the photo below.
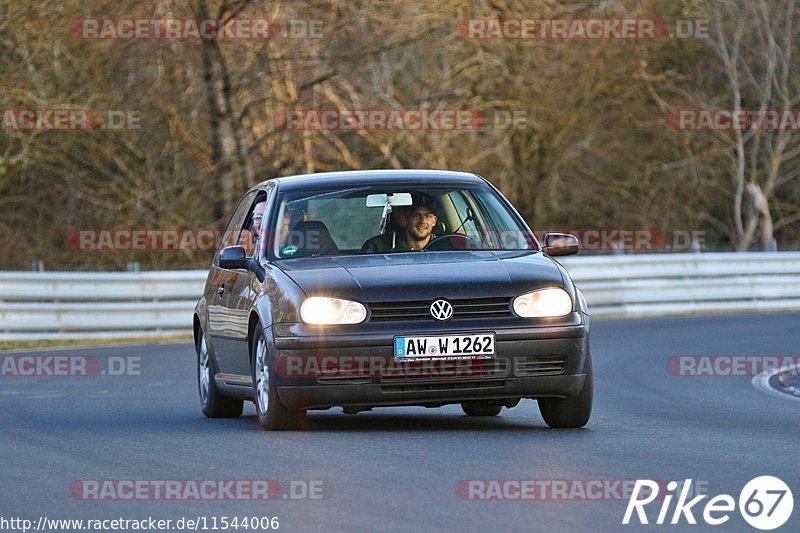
(560, 244)
(233, 258)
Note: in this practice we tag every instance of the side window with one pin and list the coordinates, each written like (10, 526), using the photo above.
(233, 231)
(250, 237)
(469, 227)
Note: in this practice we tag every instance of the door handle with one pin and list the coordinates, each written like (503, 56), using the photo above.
(221, 290)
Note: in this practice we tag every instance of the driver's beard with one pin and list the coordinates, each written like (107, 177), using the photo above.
(419, 235)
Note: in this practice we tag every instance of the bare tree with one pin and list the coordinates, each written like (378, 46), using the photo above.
(755, 40)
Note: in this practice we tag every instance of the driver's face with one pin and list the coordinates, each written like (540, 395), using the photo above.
(421, 221)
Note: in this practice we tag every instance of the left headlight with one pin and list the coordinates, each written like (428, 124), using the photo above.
(543, 303)
(320, 310)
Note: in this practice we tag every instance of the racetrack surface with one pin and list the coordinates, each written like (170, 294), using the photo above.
(397, 468)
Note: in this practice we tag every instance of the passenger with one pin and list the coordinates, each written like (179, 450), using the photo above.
(394, 231)
(257, 222)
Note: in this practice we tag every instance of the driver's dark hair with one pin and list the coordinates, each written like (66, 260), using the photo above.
(426, 204)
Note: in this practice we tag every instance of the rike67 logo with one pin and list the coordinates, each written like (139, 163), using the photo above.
(765, 503)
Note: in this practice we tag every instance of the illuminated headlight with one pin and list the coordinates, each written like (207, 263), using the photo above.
(321, 310)
(543, 303)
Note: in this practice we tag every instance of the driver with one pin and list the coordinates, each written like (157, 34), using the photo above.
(420, 221)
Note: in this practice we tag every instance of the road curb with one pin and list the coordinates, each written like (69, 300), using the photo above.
(772, 383)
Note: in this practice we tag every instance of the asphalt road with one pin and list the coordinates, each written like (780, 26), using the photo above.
(397, 469)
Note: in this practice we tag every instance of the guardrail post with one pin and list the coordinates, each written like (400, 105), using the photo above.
(773, 245)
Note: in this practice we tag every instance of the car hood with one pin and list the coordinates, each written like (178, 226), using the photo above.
(424, 275)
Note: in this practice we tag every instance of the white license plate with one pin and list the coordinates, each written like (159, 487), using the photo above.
(462, 346)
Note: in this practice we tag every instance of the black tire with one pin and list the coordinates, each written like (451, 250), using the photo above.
(570, 412)
(272, 414)
(481, 408)
(213, 403)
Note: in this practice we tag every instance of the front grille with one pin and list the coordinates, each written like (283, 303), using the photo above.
(453, 369)
(544, 365)
(463, 370)
(408, 372)
(419, 309)
(444, 386)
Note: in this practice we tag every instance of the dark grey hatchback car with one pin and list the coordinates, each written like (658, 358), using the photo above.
(385, 288)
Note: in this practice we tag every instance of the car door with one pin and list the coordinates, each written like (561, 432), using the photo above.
(224, 308)
(239, 299)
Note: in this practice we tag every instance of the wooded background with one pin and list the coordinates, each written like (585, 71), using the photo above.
(595, 151)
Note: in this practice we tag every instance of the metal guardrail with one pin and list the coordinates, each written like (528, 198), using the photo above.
(671, 284)
(97, 305)
(58, 305)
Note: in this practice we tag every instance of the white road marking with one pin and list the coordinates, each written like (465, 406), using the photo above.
(761, 382)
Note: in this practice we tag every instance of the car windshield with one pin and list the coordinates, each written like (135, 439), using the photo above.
(395, 219)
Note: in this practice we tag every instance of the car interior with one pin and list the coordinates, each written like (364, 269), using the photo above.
(314, 237)
(311, 236)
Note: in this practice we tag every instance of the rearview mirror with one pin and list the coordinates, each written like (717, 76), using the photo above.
(376, 200)
(233, 258)
(560, 244)
(395, 199)
(400, 199)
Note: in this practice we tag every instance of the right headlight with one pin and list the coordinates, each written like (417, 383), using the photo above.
(319, 310)
(543, 303)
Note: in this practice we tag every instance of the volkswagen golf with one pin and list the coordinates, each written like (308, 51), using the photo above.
(368, 289)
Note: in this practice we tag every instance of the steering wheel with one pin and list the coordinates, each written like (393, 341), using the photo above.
(453, 241)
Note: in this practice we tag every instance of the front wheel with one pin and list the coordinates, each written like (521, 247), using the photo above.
(272, 414)
(213, 403)
(570, 412)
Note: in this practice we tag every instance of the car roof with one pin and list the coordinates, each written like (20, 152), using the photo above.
(370, 177)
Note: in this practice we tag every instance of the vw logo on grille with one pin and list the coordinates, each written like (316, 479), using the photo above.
(441, 310)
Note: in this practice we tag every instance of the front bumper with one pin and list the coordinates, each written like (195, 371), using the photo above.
(546, 360)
